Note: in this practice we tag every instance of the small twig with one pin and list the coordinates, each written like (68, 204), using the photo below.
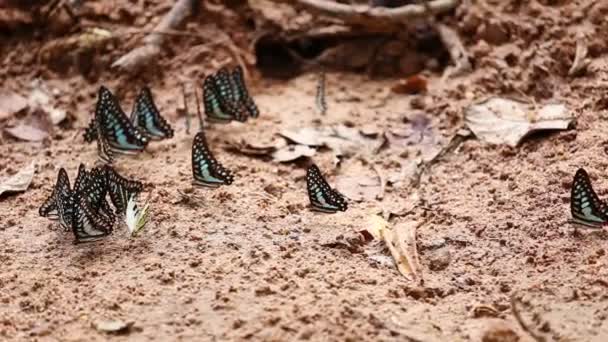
(153, 41)
(382, 180)
(375, 16)
(580, 62)
(187, 112)
(515, 301)
(456, 140)
(456, 49)
(201, 123)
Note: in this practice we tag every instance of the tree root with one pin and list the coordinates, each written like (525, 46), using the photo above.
(152, 42)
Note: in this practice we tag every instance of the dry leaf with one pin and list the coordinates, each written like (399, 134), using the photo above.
(504, 121)
(10, 104)
(309, 136)
(401, 241)
(375, 225)
(26, 132)
(115, 327)
(293, 152)
(359, 188)
(20, 181)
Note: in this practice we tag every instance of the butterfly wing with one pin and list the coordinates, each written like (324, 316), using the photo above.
(146, 115)
(216, 107)
(104, 152)
(322, 197)
(206, 170)
(88, 226)
(121, 189)
(242, 94)
(64, 199)
(585, 205)
(90, 132)
(49, 207)
(120, 133)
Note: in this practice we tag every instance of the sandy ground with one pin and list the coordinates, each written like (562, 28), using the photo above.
(250, 261)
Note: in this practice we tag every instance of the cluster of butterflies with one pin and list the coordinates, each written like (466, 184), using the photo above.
(585, 205)
(84, 209)
(117, 133)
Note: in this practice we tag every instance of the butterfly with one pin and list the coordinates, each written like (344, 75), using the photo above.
(322, 196)
(87, 225)
(207, 171)
(145, 115)
(217, 94)
(111, 123)
(241, 94)
(585, 205)
(121, 189)
(61, 192)
(320, 102)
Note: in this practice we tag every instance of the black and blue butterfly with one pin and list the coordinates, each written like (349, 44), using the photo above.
(146, 116)
(83, 209)
(121, 189)
(226, 98)
(206, 170)
(585, 205)
(322, 196)
(112, 129)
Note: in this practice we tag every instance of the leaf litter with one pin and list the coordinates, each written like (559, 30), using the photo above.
(505, 121)
(20, 181)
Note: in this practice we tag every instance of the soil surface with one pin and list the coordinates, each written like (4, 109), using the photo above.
(250, 261)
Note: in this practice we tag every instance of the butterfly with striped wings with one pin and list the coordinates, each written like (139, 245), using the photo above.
(226, 97)
(88, 194)
(585, 205)
(206, 170)
(58, 206)
(87, 225)
(217, 93)
(121, 189)
(241, 94)
(322, 196)
(112, 128)
(146, 116)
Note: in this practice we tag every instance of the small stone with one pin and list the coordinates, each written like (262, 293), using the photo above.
(439, 259)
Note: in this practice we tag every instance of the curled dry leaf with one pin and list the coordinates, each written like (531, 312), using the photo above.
(26, 132)
(10, 104)
(114, 327)
(341, 139)
(401, 241)
(256, 147)
(20, 181)
(505, 121)
(359, 188)
(293, 152)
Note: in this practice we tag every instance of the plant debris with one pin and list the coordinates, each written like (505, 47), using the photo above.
(20, 181)
(504, 121)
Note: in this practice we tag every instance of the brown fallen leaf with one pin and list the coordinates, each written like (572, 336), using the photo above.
(20, 181)
(359, 188)
(114, 327)
(505, 121)
(293, 152)
(26, 132)
(256, 147)
(401, 241)
(11, 104)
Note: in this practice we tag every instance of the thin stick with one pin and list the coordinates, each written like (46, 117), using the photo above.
(514, 302)
(153, 41)
(201, 123)
(187, 112)
(375, 16)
